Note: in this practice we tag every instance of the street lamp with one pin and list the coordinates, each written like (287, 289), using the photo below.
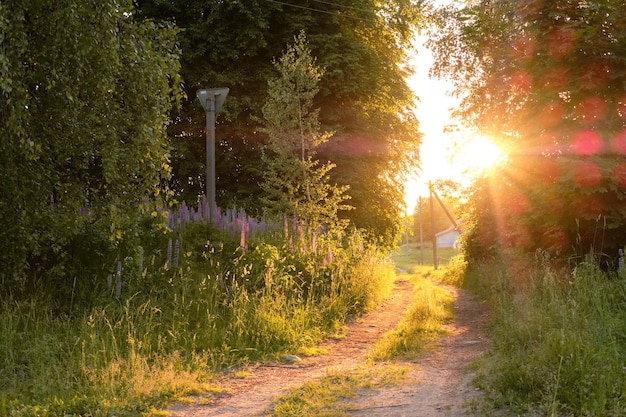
(212, 100)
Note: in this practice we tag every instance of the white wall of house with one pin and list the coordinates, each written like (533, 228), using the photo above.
(447, 238)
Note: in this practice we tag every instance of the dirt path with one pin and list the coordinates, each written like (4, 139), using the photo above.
(442, 378)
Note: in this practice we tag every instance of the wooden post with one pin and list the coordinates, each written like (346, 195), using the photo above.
(432, 225)
(421, 233)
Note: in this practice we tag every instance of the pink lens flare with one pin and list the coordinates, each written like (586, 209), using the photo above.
(587, 142)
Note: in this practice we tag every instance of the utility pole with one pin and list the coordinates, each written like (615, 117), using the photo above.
(432, 225)
(421, 233)
(212, 100)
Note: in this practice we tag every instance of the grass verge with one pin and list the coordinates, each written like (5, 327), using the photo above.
(171, 328)
(558, 339)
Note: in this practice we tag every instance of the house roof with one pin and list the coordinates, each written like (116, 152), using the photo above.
(450, 229)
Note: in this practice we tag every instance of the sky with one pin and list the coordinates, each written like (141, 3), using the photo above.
(433, 113)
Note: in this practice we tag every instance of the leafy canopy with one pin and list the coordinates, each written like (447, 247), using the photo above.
(546, 79)
(86, 91)
(363, 47)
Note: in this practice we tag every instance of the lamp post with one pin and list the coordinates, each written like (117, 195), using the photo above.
(212, 100)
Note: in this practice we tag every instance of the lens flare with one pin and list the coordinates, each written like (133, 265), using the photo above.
(587, 142)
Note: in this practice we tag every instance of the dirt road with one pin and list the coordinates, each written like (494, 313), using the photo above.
(443, 382)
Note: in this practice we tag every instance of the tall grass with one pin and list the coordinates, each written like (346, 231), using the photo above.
(558, 339)
(172, 328)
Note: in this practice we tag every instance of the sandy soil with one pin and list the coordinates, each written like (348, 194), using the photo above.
(443, 385)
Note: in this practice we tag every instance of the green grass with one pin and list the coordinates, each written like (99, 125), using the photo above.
(431, 307)
(558, 344)
(334, 395)
(173, 328)
(409, 257)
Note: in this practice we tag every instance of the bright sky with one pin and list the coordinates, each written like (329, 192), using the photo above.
(433, 112)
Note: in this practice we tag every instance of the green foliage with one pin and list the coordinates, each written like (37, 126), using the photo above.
(557, 339)
(86, 93)
(363, 96)
(295, 184)
(545, 79)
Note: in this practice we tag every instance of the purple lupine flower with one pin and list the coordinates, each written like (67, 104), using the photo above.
(242, 240)
(83, 210)
(220, 221)
(205, 208)
(253, 227)
(168, 262)
(184, 215)
(171, 221)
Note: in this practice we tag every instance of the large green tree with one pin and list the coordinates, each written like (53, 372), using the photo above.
(546, 78)
(86, 92)
(363, 96)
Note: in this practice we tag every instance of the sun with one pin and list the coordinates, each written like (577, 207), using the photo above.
(459, 161)
(479, 154)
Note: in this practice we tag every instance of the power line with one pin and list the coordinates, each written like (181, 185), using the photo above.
(340, 5)
(323, 11)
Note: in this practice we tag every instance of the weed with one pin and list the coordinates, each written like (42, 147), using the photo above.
(333, 394)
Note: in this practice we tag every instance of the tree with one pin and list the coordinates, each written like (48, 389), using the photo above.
(86, 93)
(296, 183)
(547, 79)
(363, 97)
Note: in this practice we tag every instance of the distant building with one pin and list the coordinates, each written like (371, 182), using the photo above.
(447, 238)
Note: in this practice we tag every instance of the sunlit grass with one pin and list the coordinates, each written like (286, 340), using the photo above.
(334, 394)
(409, 257)
(430, 309)
(431, 305)
(168, 338)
